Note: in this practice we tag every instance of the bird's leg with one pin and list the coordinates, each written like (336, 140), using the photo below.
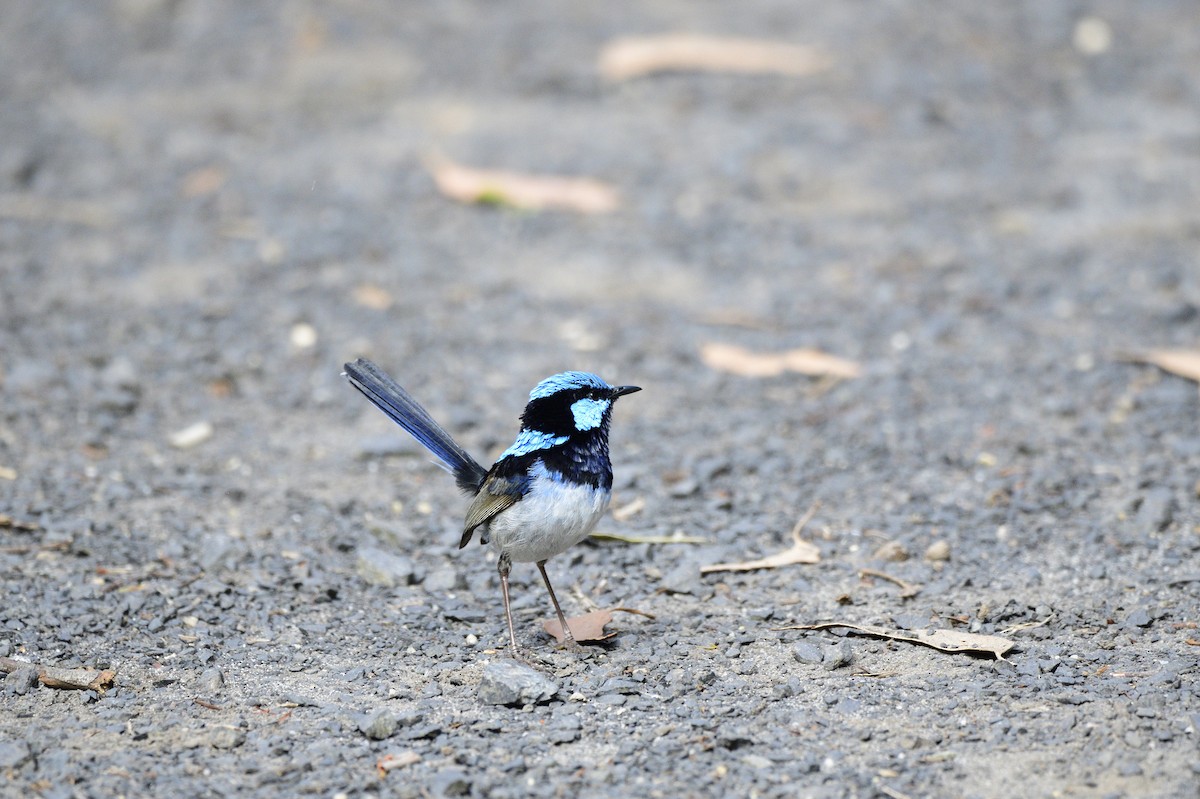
(568, 636)
(505, 566)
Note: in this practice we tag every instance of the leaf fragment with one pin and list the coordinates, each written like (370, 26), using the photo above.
(635, 56)
(944, 640)
(746, 363)
(1184, 363)
(800, 551)
(518, 190)
(395, 760)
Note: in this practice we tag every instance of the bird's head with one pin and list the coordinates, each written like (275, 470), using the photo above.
(571, 402)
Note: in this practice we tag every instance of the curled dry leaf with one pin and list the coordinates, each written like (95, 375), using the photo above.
(589, 626)
(530, 192)
(634, 56)
(1185, 363)
(800, 551)
(745, 363)
(943, 640)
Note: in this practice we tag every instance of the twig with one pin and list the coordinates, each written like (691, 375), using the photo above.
(17, 524)
(27, 548)
(55, 677)
(892, 792)
(635, 611)
(907, 589)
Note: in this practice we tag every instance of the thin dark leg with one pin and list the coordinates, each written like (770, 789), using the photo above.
(505, 566)
(567, 634)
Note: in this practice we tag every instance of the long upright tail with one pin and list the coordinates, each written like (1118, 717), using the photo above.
(387, 395)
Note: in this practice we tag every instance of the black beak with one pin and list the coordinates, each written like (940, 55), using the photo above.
(620, 391)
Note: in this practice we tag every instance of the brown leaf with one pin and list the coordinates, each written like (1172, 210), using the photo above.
(634, 56)
(1185, 363)
(943, 640)
(800, 551)
(588, 627)
(530, 192)
(740, 361)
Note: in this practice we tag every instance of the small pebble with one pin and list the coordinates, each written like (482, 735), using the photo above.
(211, 680)
(192, 435)
(892, 551)
(938, 551)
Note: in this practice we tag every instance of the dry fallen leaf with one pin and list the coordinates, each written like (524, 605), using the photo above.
(589, 626)
(634, 56)
(395, 760)
(530, 192)
(741, 361)
(800, 551)
(943, 640)
(1185, 363)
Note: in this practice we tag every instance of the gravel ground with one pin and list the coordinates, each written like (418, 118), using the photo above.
(207, 207)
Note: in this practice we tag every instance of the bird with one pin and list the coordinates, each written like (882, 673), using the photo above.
(545, 493)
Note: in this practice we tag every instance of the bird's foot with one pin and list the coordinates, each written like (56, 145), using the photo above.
(572, 646)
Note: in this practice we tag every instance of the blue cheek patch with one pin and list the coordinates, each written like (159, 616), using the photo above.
(531, 441)
(588, 413)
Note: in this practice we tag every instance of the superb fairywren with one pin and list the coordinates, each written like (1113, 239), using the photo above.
(546, 492)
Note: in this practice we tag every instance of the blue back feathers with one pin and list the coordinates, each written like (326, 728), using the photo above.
(531, 441)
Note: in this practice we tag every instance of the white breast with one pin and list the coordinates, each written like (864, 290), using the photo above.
(551, 518)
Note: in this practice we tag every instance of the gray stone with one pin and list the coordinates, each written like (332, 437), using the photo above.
(379, 724)
(837, 656)
(379, 567)
(227, 738)
(451, 782)
(13, 754)
(211, 680)
(21, 680)
(809, 653)
(506, 682)
(1156, 511)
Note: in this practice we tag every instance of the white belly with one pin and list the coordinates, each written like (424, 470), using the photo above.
(550, 519)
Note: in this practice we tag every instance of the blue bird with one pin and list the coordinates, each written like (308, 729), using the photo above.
(545, 493)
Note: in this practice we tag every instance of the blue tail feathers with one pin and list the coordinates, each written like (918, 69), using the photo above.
(387, 395)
